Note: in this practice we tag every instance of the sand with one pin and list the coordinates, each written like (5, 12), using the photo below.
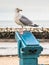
(14, 60)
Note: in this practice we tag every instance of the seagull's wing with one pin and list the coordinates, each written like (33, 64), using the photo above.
(25, 21)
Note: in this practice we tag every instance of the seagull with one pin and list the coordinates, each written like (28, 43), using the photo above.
(22, 20)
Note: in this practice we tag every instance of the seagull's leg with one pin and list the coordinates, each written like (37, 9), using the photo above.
(21, 30)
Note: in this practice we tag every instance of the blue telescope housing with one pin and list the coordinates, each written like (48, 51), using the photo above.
(29, 48)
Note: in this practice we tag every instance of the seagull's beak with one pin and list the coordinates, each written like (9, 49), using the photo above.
(20, 10)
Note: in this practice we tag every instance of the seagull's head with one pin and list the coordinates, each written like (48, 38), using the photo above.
(18, 10)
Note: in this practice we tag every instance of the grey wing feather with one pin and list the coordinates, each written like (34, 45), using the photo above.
(25, 21)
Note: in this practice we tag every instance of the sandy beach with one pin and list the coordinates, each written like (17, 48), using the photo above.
(14, 60)
(8, 48)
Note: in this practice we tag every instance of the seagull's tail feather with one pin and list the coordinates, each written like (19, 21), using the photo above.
(34, 25)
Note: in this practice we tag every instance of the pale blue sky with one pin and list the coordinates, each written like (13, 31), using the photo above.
(33, 9)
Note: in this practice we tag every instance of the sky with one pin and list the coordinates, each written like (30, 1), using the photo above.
(35, 10)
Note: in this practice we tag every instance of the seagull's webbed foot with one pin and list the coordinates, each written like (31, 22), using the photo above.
(21, 30)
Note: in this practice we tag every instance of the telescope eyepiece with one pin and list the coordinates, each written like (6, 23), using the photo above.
(33, 51)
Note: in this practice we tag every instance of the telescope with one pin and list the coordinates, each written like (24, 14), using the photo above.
(29, 48)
